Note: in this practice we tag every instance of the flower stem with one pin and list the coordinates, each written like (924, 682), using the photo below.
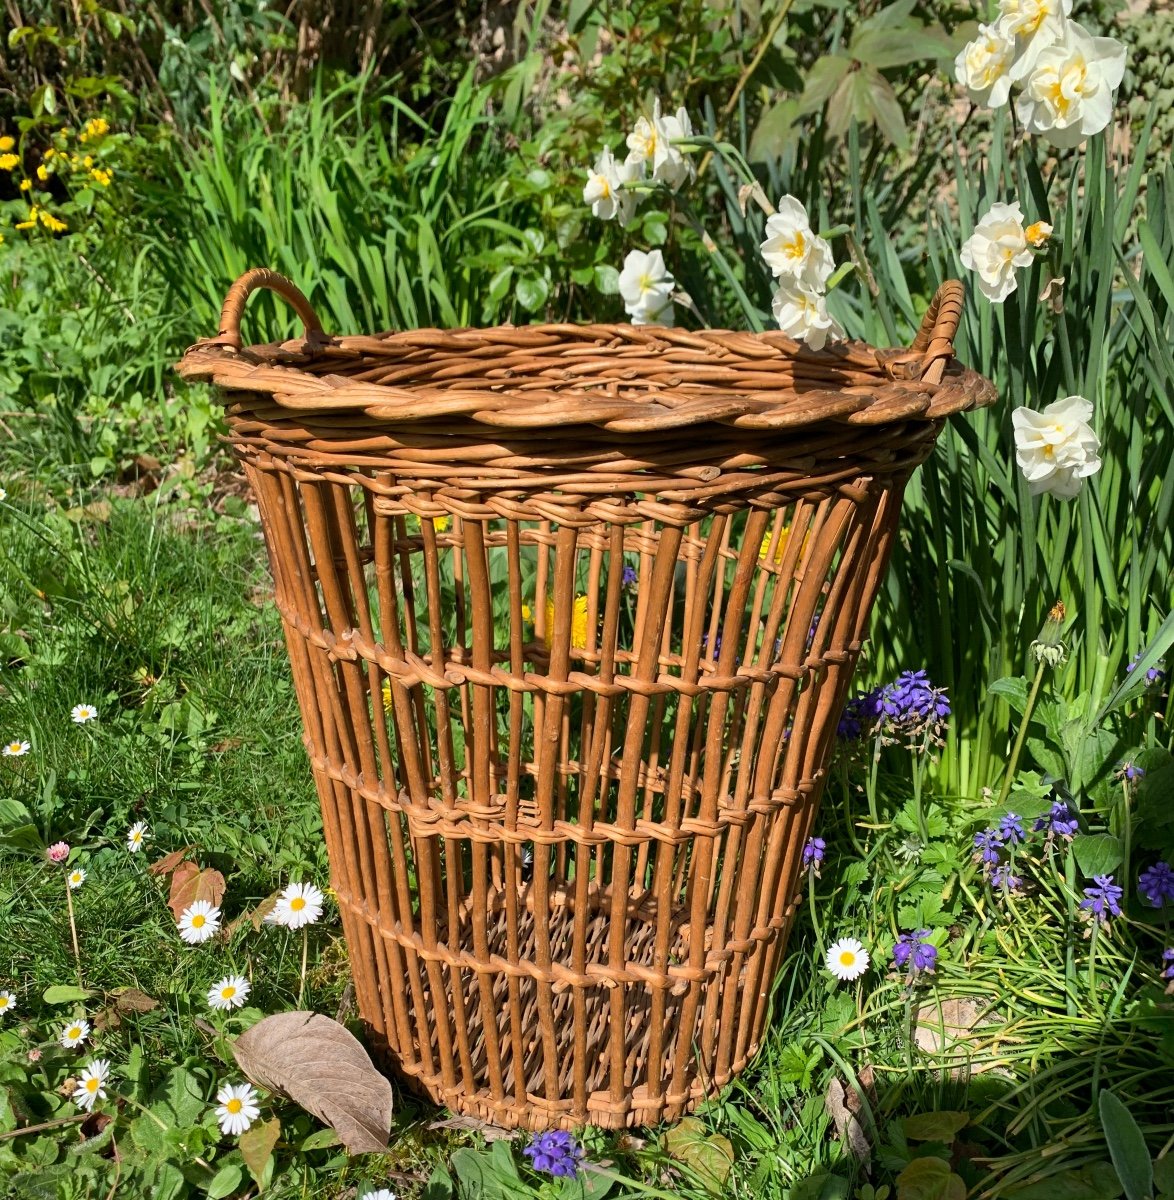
(1070, 932)
(1013, 764)
(814, 913)
(77, 954)
(305, 956)
(1126, 832)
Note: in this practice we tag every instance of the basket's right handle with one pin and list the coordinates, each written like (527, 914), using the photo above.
(935, 339)
(238, 294)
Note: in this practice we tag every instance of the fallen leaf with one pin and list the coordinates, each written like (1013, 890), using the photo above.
(319, 1064)
(256, 1145)
(255, 917)
(168, 864)
(843, 1103)
(951, 1028)
(710, 1155)
(190, 883)
(490, 1133)
(131, 1000)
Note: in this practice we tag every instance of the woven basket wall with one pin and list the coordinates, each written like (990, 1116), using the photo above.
(572, 613)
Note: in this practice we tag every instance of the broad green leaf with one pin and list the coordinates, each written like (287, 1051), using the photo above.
(225, 1181)
(935, 1126)
(824, 77)
(886, 109)
(1164, 1175)
(1013, 689)
(531, 291)
(1127, 1148)
(774, 130)
(929, 1179)
(884, 48)
(1097, 853)
(256, 1146)
(710, 1156)
(607, 279)
(64, 993)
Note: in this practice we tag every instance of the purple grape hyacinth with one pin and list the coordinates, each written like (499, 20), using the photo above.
(1154, 677)
(1103, 900)
(912, 699)
(628, 577)
(914, 954)
(1132, 772)
(1011, 829)
(813, 853)
(858, 717)
(556, 1153)
(1168, 964)
(1060, 822)
(1156, 884)
(987, 844)
(1003, 881)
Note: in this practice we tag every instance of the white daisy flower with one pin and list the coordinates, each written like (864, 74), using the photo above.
(135, 836)
(237, 1109)
(75, 1033)
(15, 749)
(198, 922)
(7, 1003)
(81, 713)
(379, 1194)
(3, 495)
(76, 878)
(91, 1085)
(300, 904)
(847, 959)
(229, 993)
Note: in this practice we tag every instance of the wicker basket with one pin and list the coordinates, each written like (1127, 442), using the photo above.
(572, 613)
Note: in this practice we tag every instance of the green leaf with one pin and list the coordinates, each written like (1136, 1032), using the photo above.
(852, 101)
(1097, 853)
(824, 77)
(499, 285)
(1013, 689)
(884, 48)
(775, 128)
(320, 1139)
(886, 108)
(256, 1147)
(1164, 1175)
(935, 1126)
(484, 1173)
(225, 1181)
(929, 1179)
(64, 993)
(1127, 1148)
(1097, 1181)
(531, 291)
(607, 280)
(709, 1155)
(179, 1100)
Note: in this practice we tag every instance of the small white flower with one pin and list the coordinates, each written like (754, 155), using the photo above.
(75, 1033)
(81, 713)
(198, 922)
(379, 1194)
(3, 495)
(229, 993)
(997, 246)
(647, 288)
(1031, 25)
(91, 1085)
(15, 749)
(7, 1003)
(801, 312)
(1056, 449)
(847, 959)
(652, 142)
(983, 66)
(792, 250)
(76, 878)
(1069, 93)
(300, 904)
(237, 1108)
(136, 836)
(605, 192)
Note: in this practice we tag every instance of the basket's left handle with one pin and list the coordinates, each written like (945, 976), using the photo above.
(934, 343)
(238, 294)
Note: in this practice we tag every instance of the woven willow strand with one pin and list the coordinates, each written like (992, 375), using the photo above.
(565, 811)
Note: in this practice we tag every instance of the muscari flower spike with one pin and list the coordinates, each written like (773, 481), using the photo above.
(1060, 822)
(1156, 884)
(987, 844)
(1011, 829)
(813, 853)
(914, 955)
(555, 1152)
(1102, 900)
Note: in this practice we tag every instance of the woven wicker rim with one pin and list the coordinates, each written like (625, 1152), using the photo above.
(624, 378)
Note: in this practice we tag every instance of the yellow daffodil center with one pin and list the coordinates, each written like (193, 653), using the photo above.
(228, 992)
(297, 904)
(198, 921)
(234, 1105)
(92, 1085)
(797, 246)
(847, 958)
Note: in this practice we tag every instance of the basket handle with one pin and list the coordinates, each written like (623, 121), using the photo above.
(934, 342)
(238, 294)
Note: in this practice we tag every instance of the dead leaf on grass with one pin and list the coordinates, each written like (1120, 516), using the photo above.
(169, 862)
(190, 882)
(842, 1102)
(320, 1065)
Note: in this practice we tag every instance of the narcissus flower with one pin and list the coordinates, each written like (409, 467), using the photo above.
(237, 1108)
(605, 190)
(198, 922)
(1069, 93)
(1031, 25)
(136, 836)
(81, 713)
(1056, 449)
(15, 749)
(300, 904)
(651, 142)
(996, 248)
(229, 993)
(76, 878)
(847, 959)
(91, 1085)
(646, 287)
(75, 1033)
(983, 66)
(801, 312)
(792, 250)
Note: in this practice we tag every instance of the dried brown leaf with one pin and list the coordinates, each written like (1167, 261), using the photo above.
(256, 1145)
(131, 1000)
(190, 883)
(169, 862)
(320, 1065)
(843, 1102)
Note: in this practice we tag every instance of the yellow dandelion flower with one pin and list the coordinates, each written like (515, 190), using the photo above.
(386, 690)
(26, 185)
(6, 144)
(440, 524)
(8, 161)
(52, 223)
(781, 545)
(42, 174)
(578, 623)
(49, 153)
(88, 162)
(30, 222)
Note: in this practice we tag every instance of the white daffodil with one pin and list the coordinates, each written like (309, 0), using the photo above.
(652, 142)
(792, 250)
(997, 246)
(847, 959)
(1031, 25)
(76, 878)
(801, 312)
(300, 904)
(15, 749)
(1056, 449)
(229, 993)
(1069, 93)
(75, 1033)
(7, 1003)
(91, 1085)
(136, 836)
(605, 192)
(237, 1108)
(81, 713)
(647, 288)
(983, 66)
(198, 922)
